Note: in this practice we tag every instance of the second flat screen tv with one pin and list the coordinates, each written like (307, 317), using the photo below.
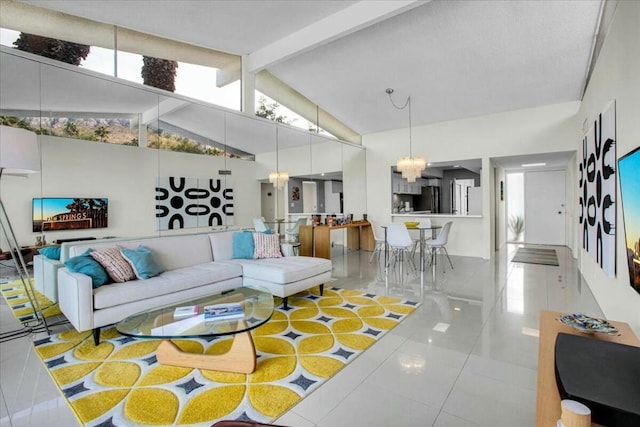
(628, 167)
(59, 213)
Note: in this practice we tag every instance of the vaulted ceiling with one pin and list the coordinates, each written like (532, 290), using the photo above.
(455, 59)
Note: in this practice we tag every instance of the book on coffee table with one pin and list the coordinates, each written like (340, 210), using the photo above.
(232, 310)
(178, 327)
(186, 311)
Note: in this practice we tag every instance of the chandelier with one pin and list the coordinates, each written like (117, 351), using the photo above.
(278, 178)
(410, 167)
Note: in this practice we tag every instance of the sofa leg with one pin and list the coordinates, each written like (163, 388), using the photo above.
(321, 288)
(285, 301)
(96, 336)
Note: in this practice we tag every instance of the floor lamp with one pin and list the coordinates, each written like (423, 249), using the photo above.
(19, 156)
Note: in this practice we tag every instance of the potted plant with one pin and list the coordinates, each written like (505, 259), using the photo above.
(516, 225)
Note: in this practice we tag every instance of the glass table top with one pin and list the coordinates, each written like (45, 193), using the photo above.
(187, 318)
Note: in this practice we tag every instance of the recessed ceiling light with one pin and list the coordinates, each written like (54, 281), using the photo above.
(457, 308)
(533, 165)
(428, 164)
(456, 166)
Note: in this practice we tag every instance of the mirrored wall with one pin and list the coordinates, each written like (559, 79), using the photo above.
(158, 163)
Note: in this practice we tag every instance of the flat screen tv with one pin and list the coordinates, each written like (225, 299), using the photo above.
(60, 213)
(628, 168)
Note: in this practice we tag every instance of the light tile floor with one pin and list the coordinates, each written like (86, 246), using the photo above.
(466, 357)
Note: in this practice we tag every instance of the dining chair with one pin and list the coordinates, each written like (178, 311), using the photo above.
(400, 244)
(294, 232)
(422, 223)
(439, 244)
(259, 226)
(378, 237)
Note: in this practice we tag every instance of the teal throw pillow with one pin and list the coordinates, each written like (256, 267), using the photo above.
(51, 252)
(86, 265)
(142, 261)
(243, 246)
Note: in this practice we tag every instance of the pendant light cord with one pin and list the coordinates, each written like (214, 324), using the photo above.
(406, 103)
(277, 155)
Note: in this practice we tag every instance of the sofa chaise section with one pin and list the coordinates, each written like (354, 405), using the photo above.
(282, 276)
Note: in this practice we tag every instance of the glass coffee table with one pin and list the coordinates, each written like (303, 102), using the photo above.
(186, 319)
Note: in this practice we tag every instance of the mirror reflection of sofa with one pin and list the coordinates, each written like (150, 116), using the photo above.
(46, 265)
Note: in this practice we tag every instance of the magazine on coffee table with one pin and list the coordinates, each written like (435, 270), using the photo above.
(232, 310)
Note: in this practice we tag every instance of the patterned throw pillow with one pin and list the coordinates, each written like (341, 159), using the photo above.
(266, 245)
(112, 261)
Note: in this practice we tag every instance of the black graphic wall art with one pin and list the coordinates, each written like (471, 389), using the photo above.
(183, 202)
(597, 197)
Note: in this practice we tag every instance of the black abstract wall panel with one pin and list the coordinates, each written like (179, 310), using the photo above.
(597, 197)
(193, 202)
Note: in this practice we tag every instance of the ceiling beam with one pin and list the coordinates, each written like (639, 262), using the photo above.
(274, 88)
(166, 106)
(355, 17)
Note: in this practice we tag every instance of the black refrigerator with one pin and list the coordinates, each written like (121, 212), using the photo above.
(428, 200)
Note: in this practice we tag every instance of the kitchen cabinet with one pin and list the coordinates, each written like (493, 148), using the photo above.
(401, 186)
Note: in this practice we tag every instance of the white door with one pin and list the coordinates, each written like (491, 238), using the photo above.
(459, 196)
(309, 197)
(544, 207)
(268, 202)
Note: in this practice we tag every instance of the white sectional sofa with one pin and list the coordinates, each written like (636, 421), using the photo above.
(195, 265)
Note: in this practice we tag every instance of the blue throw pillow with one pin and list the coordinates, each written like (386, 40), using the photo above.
(243, 246)
(142, 261)
(51, 252)
(86, 265)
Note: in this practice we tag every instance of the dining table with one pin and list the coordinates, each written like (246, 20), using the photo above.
(278, 223)
(422, 229)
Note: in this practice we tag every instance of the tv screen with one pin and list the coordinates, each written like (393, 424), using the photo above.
(59, 213)
(628, 167)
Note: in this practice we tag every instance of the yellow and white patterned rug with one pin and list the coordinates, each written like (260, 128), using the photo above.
(20, 303)
(120, 383)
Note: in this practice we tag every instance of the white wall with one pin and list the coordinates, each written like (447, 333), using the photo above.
(616, 77)
(331, 199)
(127, 176)
(572, 215)
(550, 128)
